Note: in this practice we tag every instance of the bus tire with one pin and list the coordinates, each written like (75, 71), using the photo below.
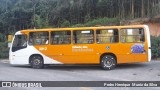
(37, 62)
(108, 62)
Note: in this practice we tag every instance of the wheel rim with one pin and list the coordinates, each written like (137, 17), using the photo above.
(36, 62)
(108, 62)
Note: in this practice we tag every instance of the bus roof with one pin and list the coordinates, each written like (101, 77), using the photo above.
(83, 28)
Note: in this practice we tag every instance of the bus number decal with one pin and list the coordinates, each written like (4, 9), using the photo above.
(42, 48)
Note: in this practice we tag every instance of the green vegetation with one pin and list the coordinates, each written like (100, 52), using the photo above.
(155, 44)
(4, 50)
(99, 22)
(65, 24)
(25, 14)
(103, 22)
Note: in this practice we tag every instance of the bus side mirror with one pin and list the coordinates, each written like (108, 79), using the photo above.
(10, 37)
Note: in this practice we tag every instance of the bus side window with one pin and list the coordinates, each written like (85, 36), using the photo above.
(38, 38)
(83, 36)
(61, 37)
(107, 36)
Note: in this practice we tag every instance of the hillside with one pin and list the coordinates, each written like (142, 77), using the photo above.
(154, 29)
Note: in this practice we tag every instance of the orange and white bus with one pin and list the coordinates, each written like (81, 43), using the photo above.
(107, 46)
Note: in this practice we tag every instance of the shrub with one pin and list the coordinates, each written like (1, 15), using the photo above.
(3, 46)
(78, 25)
(4, 50)
(155, 44)
(65, 24)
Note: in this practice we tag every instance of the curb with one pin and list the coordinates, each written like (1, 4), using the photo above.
(4, 60)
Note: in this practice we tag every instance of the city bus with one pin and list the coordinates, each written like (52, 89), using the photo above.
(106, 46)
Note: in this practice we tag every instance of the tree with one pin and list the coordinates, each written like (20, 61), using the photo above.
(24, 14)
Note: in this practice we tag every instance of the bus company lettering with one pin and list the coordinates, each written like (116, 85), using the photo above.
(79, 46)
(81, 49)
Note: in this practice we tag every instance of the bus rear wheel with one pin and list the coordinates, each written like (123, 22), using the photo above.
(108, 62)
(37, 62)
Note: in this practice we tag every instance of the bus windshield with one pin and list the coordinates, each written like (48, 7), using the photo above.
(19, 42)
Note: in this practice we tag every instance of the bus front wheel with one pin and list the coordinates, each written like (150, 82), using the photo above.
(37, 62)
(108, 62)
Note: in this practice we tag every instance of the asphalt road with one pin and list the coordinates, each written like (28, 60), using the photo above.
(149, 71)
